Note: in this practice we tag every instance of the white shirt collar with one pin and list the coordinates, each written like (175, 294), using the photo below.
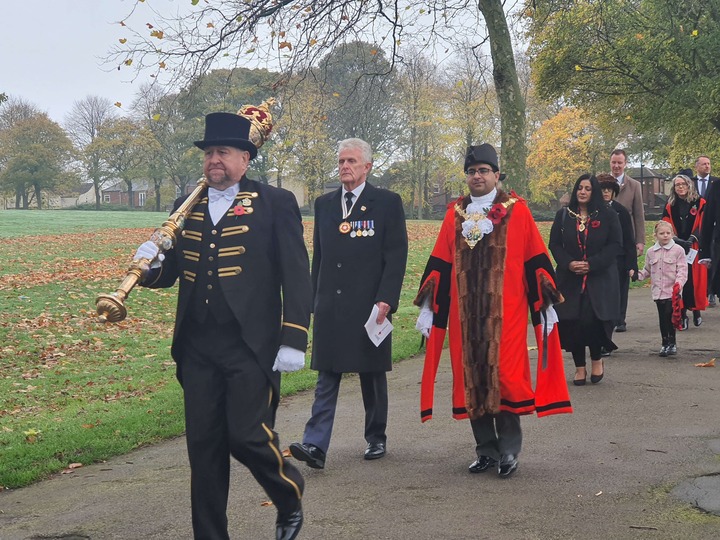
(219, 207)
(620, 179)
(485, 201)
(356, 194)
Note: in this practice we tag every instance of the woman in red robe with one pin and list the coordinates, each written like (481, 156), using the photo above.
(684, 211)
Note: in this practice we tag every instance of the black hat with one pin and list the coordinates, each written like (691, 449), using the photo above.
(484, 153)
(227, 129)
(685, 172)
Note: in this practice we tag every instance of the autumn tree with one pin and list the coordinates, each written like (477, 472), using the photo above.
(423, 123)
(655, 63)
(36, 155)
(563, 148)
(302, 147)
(359, 95)
(125, 147)
(296, 35)
(83, 123)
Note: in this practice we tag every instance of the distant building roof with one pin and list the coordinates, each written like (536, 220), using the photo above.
(141, 185)
(647, 172)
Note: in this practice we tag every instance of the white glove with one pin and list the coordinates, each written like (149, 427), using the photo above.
(705, 262)
(289, 359)
(424, 320)
(550, 316)
(149, 250)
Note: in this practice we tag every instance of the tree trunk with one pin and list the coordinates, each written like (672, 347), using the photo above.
(38, 196)
(96, 187)
(158, 185)
(129, 193)
(510, 98)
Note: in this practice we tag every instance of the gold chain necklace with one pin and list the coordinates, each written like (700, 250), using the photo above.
(582, 220)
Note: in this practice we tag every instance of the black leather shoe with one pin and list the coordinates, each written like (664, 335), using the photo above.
(288, 525)
(604, 352)
(375, 450)
(697, 318)
(622, 327)
(309, 453)
(711, 300)
(663, 351)
(508, 465)
(482, 464)
(672, 350)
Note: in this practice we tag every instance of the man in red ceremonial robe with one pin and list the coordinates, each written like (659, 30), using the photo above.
(488, 266)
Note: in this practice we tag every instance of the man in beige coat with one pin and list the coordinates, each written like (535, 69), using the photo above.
(630, 197)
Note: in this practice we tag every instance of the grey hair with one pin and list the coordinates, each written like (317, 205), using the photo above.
(692, 195)
(358, 144)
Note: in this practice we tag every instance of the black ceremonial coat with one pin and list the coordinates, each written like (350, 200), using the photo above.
(604, 245)
(350, 273)
(263, 261)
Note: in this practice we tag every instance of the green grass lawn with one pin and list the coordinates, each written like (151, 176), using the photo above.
(74, 390)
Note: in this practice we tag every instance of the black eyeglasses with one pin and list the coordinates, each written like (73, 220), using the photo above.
(483, 171)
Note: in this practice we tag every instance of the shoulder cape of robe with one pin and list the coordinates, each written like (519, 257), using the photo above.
(480, 297)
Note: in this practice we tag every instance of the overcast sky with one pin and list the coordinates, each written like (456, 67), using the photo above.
(51, 51)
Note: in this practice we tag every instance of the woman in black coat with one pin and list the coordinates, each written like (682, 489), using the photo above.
(585, 240)
(627, 260)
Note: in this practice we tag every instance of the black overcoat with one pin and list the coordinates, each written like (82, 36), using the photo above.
(350, 273)
(627, 260)
(710, 234)
(266, 282)
(604, 245)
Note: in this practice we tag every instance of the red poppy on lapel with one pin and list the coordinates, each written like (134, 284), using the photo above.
(693, 211)
(496, 213)
(239, 210)
(595, 224)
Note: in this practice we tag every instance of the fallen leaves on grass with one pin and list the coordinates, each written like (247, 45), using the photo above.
(71, 468)
(32, 435)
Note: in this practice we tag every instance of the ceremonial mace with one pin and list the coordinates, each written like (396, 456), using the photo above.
(111, 307)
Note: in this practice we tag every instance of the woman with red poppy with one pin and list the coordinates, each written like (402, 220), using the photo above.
(585, 240)
(684, 211)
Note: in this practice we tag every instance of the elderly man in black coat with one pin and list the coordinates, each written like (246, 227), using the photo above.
(243, 314)
(360, 251)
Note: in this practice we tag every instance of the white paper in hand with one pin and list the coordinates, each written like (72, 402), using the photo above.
(377, 332)
(690, 257)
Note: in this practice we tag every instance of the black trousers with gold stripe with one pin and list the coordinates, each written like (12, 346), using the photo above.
(228, 412)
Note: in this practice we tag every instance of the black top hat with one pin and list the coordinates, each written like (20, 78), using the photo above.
(227, 129)
(484, 153)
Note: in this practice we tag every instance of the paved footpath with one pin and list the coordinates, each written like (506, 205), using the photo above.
(610, 470)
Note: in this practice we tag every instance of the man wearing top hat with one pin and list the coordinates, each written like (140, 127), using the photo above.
(243, 313)
(360, 251)
(488, 267)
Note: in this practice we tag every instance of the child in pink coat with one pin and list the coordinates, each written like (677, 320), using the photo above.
(666, 265)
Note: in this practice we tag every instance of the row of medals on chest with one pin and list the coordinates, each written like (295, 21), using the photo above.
(358, 229)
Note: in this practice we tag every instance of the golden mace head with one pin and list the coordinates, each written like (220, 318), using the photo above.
(110, 308)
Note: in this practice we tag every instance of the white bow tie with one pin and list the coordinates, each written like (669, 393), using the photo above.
(215, 195)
